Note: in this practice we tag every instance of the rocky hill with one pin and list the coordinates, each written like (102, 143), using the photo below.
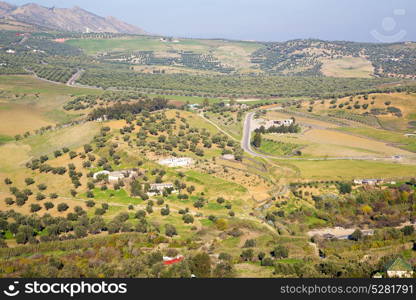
(73, 19)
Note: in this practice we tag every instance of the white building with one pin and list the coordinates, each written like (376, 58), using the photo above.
(161, 186)
(176, 162)
(368, 181)
(270, 123)
(158, 188)
(117, 175)
(102, 119)
(286, 122)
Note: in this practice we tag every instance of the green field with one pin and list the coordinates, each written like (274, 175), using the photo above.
(215, 184)
(112, 196)
(230, 53)
(277, 148)
(4, 139)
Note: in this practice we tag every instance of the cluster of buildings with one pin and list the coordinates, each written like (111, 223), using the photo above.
(117, 175)
(159, 188)
(174, 162)
(102, 119)
(372, 182)
(239, 106)
(270, 123)
(368, 181)
(236, 106)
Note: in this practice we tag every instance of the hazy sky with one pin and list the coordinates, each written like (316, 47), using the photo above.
(267, 20)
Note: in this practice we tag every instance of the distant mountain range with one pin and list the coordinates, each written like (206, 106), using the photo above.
(73, 19)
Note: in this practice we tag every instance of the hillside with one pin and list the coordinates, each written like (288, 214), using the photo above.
(337, 58)
(290, 58)
(73, 19)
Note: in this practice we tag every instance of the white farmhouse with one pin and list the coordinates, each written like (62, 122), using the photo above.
(174, 162)
(158, 188)
(117, 175)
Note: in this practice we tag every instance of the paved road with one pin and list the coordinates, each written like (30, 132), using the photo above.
(74, 78)
(246, 141)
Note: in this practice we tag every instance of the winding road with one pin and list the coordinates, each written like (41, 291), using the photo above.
(246, 141)
(74, 78)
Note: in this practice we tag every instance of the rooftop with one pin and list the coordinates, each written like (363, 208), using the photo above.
(399, 265)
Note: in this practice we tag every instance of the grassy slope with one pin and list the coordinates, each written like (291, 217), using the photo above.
(235, 54)
(27, 103)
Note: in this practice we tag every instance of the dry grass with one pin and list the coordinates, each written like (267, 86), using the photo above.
(347, 67)
(17, 119)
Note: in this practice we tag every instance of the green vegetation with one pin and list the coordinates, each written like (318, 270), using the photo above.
(277, 148)
(226, 213)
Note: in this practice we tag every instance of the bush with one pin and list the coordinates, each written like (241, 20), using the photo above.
(344, 188)
(80, 231)
(170, 230)
(42, 187)
(356, 235)
(250, 244)
(165, 211)
(40, 197)
(53, 196)
(408, 230)
(29, 181)
(247, 255)
(49, 205)
(280, 251)
(200, 265)
(90, 203)
(267, 262)
(141, 214)
(62, 207)
(9, 201)
(188, 219)
(35, 208)
(224, 270)
(99, 211)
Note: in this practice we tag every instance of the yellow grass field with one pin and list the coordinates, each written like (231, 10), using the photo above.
(348, 169)
(17, 119)
(27, 103)
(348, 67)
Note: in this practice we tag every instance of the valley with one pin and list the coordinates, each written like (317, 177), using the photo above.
(244, 159)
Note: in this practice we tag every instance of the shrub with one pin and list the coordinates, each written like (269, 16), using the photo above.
(90, 203)
(170, 230)
(280, 251)
(9, 201)
(250, 243)
(35, 208)
(49, 205)
(62, 207)
(188, 219)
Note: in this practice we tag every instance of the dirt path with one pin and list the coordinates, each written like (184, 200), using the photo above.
(216, 126)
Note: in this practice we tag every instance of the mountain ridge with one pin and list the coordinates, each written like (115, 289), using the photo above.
(75, 19)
